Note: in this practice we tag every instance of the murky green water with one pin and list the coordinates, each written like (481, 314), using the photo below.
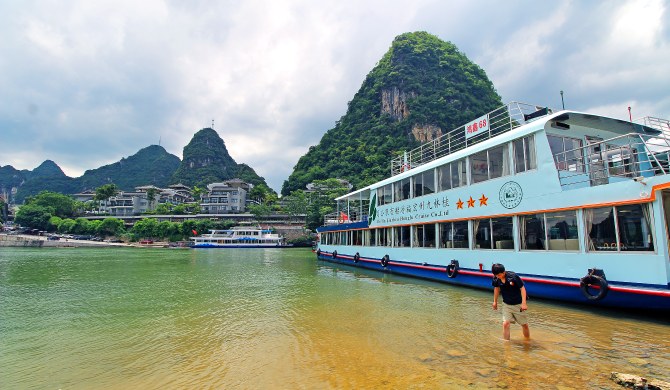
(163, 318)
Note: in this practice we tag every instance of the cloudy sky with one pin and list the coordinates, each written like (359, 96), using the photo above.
(85, 83)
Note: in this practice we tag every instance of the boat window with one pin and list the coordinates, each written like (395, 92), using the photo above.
(424, 236)
(562, 231)
(385, 195)
(343, 238)
(567, 153)
(444, 177)
(458, 174)
(454, 234)
(388, 194)
(402, 236)
(634, 228)
(489, 164)
(401, 189)
(357, 237)
(602, 229)
(479, 167)
(620, 160)
(373, 237)
(532, 231)
(494, 233)
(384, 237)
(482, 230)
(524, 154)
(451, 175)
(502, 229)
(621, 228)
(498, 162)
(424, 183)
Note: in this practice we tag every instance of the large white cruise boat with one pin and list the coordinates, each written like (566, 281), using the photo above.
(239, 238)
(576, 204)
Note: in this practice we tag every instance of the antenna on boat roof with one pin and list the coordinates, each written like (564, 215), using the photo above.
(630, 115)
(212, 123)
(159, 140)
(562, 102)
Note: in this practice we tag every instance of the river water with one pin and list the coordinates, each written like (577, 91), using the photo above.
(135, 318)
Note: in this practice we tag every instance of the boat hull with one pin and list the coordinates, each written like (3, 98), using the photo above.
(624, 296)
(212, 246)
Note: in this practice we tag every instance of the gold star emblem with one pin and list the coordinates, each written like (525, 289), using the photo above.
(459, 204)
(471, 202)
(483, 200)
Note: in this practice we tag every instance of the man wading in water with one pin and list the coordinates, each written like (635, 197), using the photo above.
(514, 299)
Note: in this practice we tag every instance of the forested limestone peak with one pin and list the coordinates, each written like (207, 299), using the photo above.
(420, 89)
(206, 160)
(48, 168)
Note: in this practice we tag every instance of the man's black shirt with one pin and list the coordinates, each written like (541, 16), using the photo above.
(511, 289)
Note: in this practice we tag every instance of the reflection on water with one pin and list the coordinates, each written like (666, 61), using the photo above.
(155, 318)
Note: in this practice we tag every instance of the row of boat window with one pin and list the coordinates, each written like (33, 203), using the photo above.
(612, 229)
(485, 165)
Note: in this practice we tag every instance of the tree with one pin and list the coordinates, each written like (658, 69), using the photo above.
(105, 192)
(151, 196)
(111, 227)
(296, 203)
(66, 226)
(34, 216)
(63, 206)
(260, 211)
(81, 226)
(197, 192)
(146, 228)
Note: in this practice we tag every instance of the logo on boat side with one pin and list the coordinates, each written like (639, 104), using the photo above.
(372, 211)
(510, 194)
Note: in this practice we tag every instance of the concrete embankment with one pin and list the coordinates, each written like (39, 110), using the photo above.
(7, 240)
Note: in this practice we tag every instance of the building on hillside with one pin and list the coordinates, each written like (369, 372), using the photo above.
(226, 197)
(313, 187)
(84, 196)
(126, 203)
(176, 194)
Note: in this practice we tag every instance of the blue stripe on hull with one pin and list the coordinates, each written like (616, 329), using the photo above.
(542, 287)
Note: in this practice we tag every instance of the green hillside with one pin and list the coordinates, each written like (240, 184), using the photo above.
(206, 160)
(421, 88)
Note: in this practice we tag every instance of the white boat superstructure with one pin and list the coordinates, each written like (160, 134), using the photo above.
(578, 204)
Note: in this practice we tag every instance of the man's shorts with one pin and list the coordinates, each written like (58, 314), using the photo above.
(513, 313)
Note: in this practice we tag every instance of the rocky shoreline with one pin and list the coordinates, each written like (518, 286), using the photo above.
(638, 382)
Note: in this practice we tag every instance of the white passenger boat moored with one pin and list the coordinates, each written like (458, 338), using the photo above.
(239, 238)
(575, 203)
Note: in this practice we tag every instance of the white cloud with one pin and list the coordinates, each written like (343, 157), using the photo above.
(86, 83)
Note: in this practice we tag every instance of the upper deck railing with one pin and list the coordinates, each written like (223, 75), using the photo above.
(633, 156)
(656, 123)
(498, 121)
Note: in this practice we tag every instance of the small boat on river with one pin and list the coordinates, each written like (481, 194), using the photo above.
(577, 204)
(239, 238)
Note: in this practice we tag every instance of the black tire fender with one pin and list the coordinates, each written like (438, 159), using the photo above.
(452, 269)
(594, 281)
(334, 254)
(318, 252)
(385, 261)
(356, 257)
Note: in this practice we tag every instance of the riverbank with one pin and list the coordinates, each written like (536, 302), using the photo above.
(24, 240)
